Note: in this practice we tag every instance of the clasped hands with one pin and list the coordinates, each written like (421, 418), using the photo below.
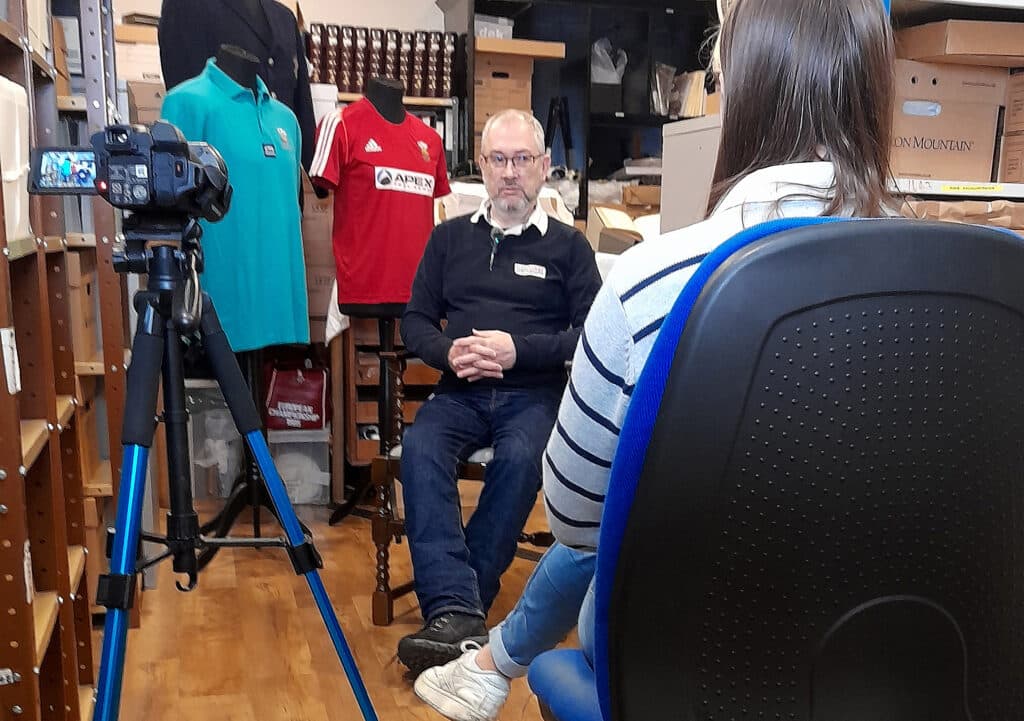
(485, 354)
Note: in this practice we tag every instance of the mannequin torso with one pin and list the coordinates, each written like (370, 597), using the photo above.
(386, 96)
(240, 65)
(192, 31)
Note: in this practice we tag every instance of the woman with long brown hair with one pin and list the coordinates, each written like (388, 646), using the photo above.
(806, 117)
(808, 81)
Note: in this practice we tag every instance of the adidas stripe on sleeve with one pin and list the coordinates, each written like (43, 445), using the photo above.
(331, 150)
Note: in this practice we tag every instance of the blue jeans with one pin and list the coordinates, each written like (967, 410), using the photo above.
(546, 612)
(456, 568)
(586, 625)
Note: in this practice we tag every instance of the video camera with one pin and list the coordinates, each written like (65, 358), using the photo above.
(149, 171)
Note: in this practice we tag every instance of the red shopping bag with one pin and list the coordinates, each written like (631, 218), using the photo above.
(297, 399)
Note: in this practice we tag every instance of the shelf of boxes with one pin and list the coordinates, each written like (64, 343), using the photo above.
(46, 639)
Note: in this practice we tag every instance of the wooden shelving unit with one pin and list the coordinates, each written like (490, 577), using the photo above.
(65, 410)
(44, 618)
(536, 49)
(49, 489)
(100, 483)
(407, 100)
(76, 564)
(71, 103)
(361, 379)
(34, 435)
(81, 240)
(86, 701)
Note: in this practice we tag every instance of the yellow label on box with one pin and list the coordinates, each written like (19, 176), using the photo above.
(972, 188)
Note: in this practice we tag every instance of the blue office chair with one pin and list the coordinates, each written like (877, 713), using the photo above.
(816, 509)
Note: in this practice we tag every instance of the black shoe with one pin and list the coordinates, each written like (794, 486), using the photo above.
(440, 641)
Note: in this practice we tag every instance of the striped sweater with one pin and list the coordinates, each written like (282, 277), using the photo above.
(621, 329)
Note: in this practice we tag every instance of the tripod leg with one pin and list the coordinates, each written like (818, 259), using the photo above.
(116, 590)
(304, 557)
(306, 561)
(252, 362)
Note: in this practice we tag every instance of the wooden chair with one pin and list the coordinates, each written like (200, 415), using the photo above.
(388, 527)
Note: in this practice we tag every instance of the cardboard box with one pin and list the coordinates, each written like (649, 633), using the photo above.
(1014, 120)
(144, 34)
(964, 42)
(319, 282)
(60, 48)
(500, 82)
(139, 62)
(946, 121)
(38, 12)
(60, 59)
(317, 329)
(1012, 167)
(83, 289)
(73, 43)
(643, 195)
(611, 230)
(317, 224)
(145, 101)
(62, 85)
(689, 157)
(959, 83)
(997, 213)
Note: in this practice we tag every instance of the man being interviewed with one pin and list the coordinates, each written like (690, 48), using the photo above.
(514, 287)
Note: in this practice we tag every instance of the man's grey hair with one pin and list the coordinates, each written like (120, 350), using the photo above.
(522, 116)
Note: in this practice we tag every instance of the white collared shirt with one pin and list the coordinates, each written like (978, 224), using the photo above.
(538, 218)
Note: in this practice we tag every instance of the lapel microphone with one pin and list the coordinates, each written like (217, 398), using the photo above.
(497, 235)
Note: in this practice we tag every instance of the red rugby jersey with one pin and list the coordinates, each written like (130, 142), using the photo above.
(385, 177)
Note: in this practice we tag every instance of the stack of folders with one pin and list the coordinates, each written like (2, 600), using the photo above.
(689, 96)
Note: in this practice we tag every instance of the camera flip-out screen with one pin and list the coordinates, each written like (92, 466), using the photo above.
(63, 171)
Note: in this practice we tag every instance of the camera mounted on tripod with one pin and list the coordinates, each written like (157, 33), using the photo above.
(165, 182)
(166, 185)
(152, 172)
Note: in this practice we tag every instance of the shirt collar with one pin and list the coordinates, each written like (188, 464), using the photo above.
(808, 180)
(538, 218)
(228, 85)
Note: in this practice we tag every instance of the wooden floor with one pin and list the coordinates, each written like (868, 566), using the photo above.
(249, 645)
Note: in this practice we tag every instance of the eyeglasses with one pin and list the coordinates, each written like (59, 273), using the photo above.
(519, 160)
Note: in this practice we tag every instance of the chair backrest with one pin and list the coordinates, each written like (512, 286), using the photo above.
(816, 510)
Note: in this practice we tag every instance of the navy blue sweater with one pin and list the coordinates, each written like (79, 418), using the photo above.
(539, 290)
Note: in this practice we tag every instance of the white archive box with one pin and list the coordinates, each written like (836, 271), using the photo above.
(14, 158)
(38, 24)
(139, 62)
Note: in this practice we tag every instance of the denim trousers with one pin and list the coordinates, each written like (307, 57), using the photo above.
(547, 611)
(456, 567)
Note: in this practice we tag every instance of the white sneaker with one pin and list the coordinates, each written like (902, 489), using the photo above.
(463, 691)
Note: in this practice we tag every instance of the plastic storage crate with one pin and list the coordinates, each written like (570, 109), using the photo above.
(303, 458)
(215, 446)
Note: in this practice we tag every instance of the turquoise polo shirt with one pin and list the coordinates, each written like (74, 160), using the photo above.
(255, 271)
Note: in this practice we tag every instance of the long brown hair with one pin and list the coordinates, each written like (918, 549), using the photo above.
(806, 80)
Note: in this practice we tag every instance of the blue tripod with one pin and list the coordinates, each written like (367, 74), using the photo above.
(172, 305)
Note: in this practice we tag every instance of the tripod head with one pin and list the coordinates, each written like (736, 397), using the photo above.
(166, 249)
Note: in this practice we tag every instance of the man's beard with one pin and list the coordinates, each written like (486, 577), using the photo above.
(514, 203)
